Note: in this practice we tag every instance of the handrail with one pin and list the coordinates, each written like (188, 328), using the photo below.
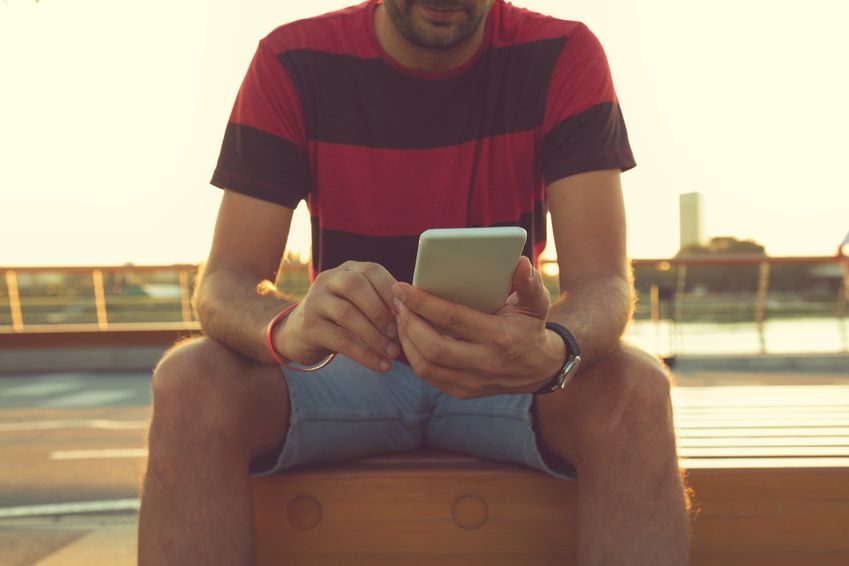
(129, 268)
(737, 259)
(682, 260)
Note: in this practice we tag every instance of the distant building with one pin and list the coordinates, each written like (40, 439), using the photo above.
(690, 215)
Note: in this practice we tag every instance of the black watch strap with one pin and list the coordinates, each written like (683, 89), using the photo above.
(573, 359)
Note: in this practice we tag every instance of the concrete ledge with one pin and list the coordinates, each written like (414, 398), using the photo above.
(119, 358)
(144, 358)
(810, 363)
(128, 347)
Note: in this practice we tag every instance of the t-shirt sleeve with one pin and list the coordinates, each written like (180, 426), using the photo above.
(583, 129)
(263, 154)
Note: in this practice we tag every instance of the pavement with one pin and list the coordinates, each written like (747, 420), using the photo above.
(72, 447)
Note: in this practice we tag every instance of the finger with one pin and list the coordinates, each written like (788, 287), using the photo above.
(456, 319)
(448, 380)
(342, 313)
(441, 349)
(531, 294)
(357, 289)
(338, 339)
(379, 277)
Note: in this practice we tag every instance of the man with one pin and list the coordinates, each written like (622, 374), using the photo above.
(392, 117)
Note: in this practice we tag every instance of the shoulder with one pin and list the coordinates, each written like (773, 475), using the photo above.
(518, 26)
(343, 31)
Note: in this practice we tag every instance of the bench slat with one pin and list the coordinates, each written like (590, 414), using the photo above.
(764, 451)
(775, 432)
(735, 441)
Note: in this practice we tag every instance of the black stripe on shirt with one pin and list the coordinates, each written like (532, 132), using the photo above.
(332, 248)
(365, 102)
(591, 140)
(262, 165)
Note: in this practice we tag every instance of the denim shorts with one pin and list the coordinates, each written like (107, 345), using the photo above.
(348, 411)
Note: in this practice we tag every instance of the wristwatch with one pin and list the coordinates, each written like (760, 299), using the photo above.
(573, 360)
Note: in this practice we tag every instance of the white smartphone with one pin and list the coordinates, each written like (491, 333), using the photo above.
(469, 266)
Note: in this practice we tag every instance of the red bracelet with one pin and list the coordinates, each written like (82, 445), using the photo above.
(269, 343)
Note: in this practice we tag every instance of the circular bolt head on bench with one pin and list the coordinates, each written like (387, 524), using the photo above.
(304, 512)
(470, 512)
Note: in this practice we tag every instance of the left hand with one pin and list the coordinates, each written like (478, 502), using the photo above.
(506, 352)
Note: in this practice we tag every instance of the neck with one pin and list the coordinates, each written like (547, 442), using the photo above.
(412, 56)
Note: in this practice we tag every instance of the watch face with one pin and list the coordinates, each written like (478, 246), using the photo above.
(572, 361)
(569, 370)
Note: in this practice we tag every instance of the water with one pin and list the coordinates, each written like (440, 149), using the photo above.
(781, 336)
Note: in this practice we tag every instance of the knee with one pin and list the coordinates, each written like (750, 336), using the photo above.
(632, 394)
(195, 389)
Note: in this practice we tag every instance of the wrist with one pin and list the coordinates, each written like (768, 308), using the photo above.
(570, 364)
(277, 340)
(554, 356)
(272, 335)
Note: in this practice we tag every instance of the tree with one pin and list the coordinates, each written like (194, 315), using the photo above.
(723, 278)
(723, 245)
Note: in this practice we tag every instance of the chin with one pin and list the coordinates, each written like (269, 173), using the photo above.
(432, 36)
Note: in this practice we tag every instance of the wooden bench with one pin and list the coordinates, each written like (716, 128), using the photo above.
(769, 468)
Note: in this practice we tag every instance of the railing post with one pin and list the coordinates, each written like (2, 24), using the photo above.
(760, 308)
(842, 300)
(99, 299)
(14, 301)
(185, 301)
(679, 302)
(654, 295)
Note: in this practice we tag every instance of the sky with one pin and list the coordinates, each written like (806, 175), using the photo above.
(112, 114)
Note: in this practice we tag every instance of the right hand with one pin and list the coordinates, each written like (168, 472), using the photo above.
(348, 309)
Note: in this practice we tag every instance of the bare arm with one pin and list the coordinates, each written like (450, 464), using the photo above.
(596, 289)
(236, 297)
(346, 309)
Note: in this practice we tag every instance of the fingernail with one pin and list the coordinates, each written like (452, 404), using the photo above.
(398, 292)
(393, 349)
(397, 304)
(392, 330)
(385, 365)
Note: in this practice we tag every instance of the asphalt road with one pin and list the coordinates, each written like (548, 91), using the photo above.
(68, 441)
(66, 438)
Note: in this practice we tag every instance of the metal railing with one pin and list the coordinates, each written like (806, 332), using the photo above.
(755, 289)
(96, 297)
(674, 295)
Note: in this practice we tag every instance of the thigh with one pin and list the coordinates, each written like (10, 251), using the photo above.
(499, 427)
(345, 411)
(206, 394)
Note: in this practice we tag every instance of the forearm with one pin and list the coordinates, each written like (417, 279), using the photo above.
(596, 309)
(234, 306)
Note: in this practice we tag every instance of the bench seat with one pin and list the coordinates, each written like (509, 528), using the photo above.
(769, 468)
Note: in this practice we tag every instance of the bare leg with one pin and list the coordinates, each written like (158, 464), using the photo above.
(214, 411)
(614, 423)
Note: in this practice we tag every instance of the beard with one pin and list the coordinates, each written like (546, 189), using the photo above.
(421, 31)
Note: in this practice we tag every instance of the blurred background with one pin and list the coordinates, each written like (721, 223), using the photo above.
(111, 118)
(113, 114)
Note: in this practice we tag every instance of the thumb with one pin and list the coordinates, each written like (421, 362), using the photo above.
(531, 294)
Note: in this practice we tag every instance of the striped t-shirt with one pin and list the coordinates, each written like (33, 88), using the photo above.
(382, 152)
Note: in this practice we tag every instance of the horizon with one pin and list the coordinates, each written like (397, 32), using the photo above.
(98, 140)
